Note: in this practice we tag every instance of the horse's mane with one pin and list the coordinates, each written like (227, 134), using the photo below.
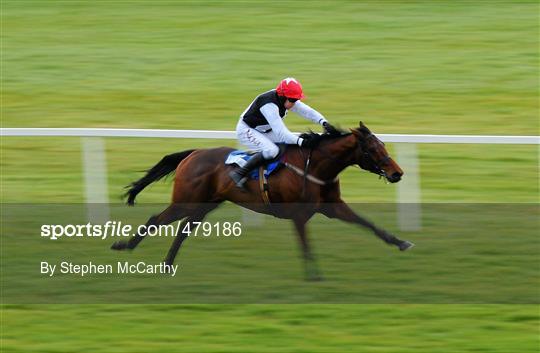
(331, 136)
(325, 136)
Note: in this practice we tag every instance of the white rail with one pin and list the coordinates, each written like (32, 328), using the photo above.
(210, 134)
(408, 190)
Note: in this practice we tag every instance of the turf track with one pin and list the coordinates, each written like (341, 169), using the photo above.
(402, 67)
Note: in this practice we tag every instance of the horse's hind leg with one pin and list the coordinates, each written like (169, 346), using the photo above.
(170, 214)
(196, 216)
(178, 240)
(310, 265)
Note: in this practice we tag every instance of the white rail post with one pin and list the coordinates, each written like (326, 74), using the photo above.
(95, 179)
(408, 192)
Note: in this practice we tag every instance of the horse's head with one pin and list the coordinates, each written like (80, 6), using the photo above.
(371, 155)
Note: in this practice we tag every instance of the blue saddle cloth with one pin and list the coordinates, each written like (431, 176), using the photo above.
(236, 157)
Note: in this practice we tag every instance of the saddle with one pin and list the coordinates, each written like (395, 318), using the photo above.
(240, 158)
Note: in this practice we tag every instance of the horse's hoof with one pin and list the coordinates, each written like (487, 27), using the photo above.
(119, 245)
(405, 245)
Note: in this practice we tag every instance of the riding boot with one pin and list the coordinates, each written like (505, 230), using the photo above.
(239, 175)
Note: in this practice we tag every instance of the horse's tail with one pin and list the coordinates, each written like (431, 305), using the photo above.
(166, 166)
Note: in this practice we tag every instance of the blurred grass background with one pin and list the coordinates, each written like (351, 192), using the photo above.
(462, 67)
(404, 67)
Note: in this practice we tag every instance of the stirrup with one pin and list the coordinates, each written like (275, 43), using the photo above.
(238, 180)
(241, 175)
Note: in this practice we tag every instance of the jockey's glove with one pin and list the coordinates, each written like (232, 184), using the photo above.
(330, 129)
(310, 140)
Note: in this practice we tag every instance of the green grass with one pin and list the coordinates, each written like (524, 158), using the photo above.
(401, 67)
(271, 328)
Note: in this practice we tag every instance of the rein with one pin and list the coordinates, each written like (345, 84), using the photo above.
(367, 163)
(304, 173)
(309, 177)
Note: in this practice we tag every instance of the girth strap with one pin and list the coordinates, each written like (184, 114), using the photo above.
(263, 184)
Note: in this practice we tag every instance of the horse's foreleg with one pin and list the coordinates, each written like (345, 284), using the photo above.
(170, 214)
(342, 211)
(310, 265)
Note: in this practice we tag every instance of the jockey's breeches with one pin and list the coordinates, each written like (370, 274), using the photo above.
(257, 141)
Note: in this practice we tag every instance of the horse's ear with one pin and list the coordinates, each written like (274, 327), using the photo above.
(364, 127)
(355, 132)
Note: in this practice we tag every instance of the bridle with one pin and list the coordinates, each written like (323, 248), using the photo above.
(368, 163)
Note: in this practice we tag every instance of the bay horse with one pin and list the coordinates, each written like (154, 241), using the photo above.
(307, 184)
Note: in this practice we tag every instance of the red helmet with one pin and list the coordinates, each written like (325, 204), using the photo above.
(290, 88)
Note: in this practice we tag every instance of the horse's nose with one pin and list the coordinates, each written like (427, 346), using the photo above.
(394, 178)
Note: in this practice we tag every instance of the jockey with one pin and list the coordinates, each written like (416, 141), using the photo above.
(261, 126)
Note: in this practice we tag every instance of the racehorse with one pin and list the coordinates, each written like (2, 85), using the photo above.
(308, 184)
